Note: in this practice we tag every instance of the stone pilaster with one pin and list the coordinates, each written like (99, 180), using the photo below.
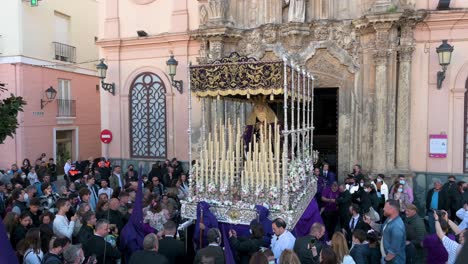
(381, 57)
(403, 108)
(380, 120)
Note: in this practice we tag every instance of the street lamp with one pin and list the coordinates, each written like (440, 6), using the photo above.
(444, 51)
(172, 70)
(102, 72)
(50, 95)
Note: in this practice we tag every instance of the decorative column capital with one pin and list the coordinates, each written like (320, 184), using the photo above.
(381, 57)
(405, 53)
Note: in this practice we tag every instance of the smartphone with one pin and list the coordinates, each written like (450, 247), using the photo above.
(92, 259)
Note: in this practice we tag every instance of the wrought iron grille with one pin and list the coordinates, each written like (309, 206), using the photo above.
(66, 108)
(64, 52)
(148, 117)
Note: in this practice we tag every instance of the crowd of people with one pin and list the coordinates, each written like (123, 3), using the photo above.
(364, 220)
(82, 221)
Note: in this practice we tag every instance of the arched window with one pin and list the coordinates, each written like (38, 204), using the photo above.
(148, 117)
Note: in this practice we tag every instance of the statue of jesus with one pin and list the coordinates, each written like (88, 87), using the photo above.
(297, 9)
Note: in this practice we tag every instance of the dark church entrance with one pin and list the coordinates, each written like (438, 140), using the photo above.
(326, 125)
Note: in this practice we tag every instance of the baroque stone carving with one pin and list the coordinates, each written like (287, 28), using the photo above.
(217, 11)
(406, 53)
(203, 15)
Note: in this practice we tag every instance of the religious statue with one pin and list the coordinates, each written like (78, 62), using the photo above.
(297, 10)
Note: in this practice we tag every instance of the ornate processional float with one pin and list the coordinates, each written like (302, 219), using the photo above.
(263, 157)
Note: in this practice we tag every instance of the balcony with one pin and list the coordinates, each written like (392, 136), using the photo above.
(66, 108)
(64, 52)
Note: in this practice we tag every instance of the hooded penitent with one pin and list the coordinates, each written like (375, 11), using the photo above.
(262, 218)
(205, 216)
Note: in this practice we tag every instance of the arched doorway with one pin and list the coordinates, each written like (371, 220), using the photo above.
(148, 137)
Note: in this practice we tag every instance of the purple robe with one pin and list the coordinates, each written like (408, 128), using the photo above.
(209, 220)
(133, 233)
(7, 254)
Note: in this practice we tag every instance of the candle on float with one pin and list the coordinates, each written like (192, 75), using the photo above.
(270, 157)
(230, 147)
(223, 149)
(206, 167)
(210, 161)
(277, 153)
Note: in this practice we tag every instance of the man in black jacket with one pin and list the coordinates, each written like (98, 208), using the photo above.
(436, 200)
(53, 256)
(303, 245)
(169, 246)
(343, 202)
(149, 254)
(355, 222)
(86, 231)
(99, 247)
(360, 251)
(246, 247)
(213, 249)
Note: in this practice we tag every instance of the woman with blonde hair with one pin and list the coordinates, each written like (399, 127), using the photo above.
(289, 257)
(340, 247)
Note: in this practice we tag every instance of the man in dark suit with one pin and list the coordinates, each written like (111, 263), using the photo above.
(343, 202)
(246, 247)
(99, 247)
(213, 249)
(355, 222)
(149, 254)
(304, 245)
(329, 176)
(171, 248)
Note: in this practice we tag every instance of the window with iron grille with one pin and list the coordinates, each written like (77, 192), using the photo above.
(148, 117)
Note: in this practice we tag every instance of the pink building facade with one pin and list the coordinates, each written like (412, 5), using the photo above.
(67, 127)
(443, 111)
(148, 117)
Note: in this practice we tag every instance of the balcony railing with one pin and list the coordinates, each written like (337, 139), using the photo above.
(66, 108)
(64, 52)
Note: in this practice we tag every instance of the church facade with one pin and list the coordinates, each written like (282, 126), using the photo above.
(374, 63)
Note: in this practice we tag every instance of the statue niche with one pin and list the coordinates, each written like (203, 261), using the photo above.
(297, 10)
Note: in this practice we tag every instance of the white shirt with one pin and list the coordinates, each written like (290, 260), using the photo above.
(66, 168)
(383, 189)
(62, 227)
(463, 215)
(352, 188)
(347, 259)
(107, 191)
(33, 258)
(452, 248)
(32, 177)
(284, 241)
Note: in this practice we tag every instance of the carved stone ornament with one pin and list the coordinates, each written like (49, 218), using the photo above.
(406, 53)
(142, 2)
(203, 15)
(381, 57)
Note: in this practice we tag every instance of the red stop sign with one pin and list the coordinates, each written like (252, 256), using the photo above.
(106, 136)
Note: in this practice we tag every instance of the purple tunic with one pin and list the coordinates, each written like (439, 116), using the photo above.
(435, 248)
(328, 193)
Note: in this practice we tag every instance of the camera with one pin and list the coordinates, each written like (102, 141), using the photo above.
(440, 213)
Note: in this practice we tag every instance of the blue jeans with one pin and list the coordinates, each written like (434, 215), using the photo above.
(431, 221)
